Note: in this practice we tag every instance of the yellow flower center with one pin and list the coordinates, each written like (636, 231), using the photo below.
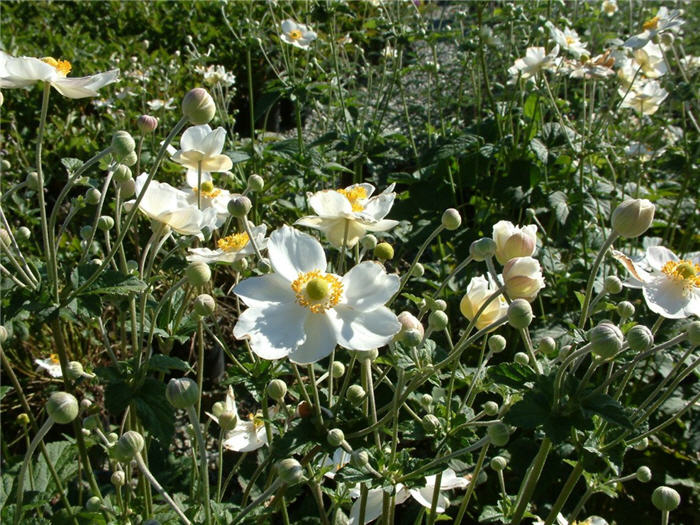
(257, 420)
(317, 291)
(233, 243)
(652, 23)
(208, 190)
(294, 34)
(62, 66)
(684, 272)
(570, 40)
(354, 195)
(54, 359)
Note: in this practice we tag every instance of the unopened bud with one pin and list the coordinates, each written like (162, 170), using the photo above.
(198, 106)
(74, 370)
(642, 444)
(105, 223)
(239, 206)
(335, 437)
(643, 474)
(438, 320)
(499, 463)
(23, 233)
(256, 183)
(521, 358)
(228, 420)
(122, 144)
(368, 242)
(625, 309)
(431, 424)
(62, 407)
(547, 346)
(359, 458)
(182, 392)
(426, 400)
(240, 265)
(3, 334)
(519, 314)
(640, 338)
(127, 188)
(665, 498)
(277, 389)
(32, 180)
(451, 220)
(498, 434)
(118, 478)
(612, 284)
(204, 305)
(412, 337)
(497, 343)
(121, 173)
(290, 471)
(264, 266)
(482, 249)
(694, 333)
(632, 217)
(356, 394)
(491, 408)
(127, 446)
(439, 304)
(92, 196)
(23, 419)
(147, 123)
(384, 251)
(130, 159)
(338, 369)
(198, 273)
(93, 504)
(418, 270)
(605, 339)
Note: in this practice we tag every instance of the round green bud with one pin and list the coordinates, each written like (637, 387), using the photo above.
(122, 173)
(338, 369)
(499, 463)
(147, 124)
(32, 180)
(642, 444)
(92, 196)
(93, 504)
(498, 434)
(112, 437)
(605, 339)
(368, 242)
(198, 106)
(62, 407)
(693, 331)
(122, 144)
(335, 437)
(497, 343)
(612, 284)
(198, 273)
(75, 370)
(665, 498)
(482, 249)
(127, 188)
(255, 183)
(625, 309)
(370, 354)
(91, 422)
(438, 320)
(105, 223)
(440, 304)
(228, 420)
(359, 458)
(264, 266)
(290, 471)
(521, 358)
(451, 220)
(130, 159)
(23, 419)
(547, 346)
(240, 265)
(127, 446)
(3, 334)
(418, 270)
(643, 474)
(640, 338)
(426, 400)
(23, 233)
(218, 408)
(239, 206)
(182, 392)
(4, 164)
(384, 251)
(118, 478)
(490, 408)
(430, 423)
(277, 389)
(5, 237)
(204, 305)
(519, 314)
(411, 337)
(632, 217)
(356, 394)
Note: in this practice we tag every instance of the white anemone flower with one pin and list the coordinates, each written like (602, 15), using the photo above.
(159, 103)
(609, 7)
(170, 206)
(536, 59)
(671, 286)
(231, 248)
(664, 21)
(19, 72)
(296, 34)
(478, 291)
(211, 196)
(513, 241)
(200, 148)
(338, 460)
(347, 214)
(51, 364)
(248, 434)
(568, 40)
(645, 100)
(650, 59)
(302, 312)
(214, 75)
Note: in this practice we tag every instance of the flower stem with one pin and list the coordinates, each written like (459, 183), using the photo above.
(591, 279)
(565, 493)
(204, 476)
(153, 481)
(23, 470)
(527, 488)
(472, 483)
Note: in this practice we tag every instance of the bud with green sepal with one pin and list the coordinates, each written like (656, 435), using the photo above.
(451, 219)
(182, 392)
(198, 106)
(198, 273)
(519, 314)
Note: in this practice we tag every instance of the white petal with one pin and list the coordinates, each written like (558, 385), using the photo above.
(258, 292)
(364, 330)
(373, 507)
(213, 143)
(273, 331)
(320, 340)
(244, 438)
(450, 480)
(378, 207)
(665, 296)
(217, 163)
(293, 252)
(424, 496)
(330, 203)
(81, 87)
(192, 178)
(193, 137)
(335, 231)
(381, 226)
(28, 69)
(367, 286)
(657, 256)
(289, 26)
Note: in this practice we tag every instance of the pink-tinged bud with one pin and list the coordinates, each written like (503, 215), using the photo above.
(632, 217)
(408, 322)
(514, 241)
(147, 123)
(523, 278)
(478, 291)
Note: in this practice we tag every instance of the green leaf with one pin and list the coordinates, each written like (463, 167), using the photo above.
(561, 208)
(110, 282)
(165, 363)
(607, 408)
(513, 375)
(4, 389)
(6, 482)
(64, 457)
(71, 164)
(154, 411)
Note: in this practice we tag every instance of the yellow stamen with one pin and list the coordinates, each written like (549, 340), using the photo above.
(294, 34)
(215, 192)
(652, 23)
(257, 420)
(570, 40)
(685, 272)
(233, 243)
(314, 301)
(54, 358)
(355, 195)
(62, 66)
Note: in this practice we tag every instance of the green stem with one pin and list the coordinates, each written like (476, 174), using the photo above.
(204, 481)
(591, 278)
(472, 483)
(530, 482)
(153, 481)
(434, 499)
(565, 493)
(23, 469)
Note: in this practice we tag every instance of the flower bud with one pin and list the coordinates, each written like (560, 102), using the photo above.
(370, 354)
(665, 498)
(198, 106)
(240, 265)
(23, 419)
(426, 400)
(521, 358)
(612, 284)
(127, 188)
(228, 420)
(198, 273)
(605, 339)
(632, 217)
(85, 403)
(239, 206)
(118, 478)
(643, 474)
(430, 423)
(522, 277)
(264, 266)
(359, 458)
(277, 389)
(130, 159)
(5, 237)
(3, 334)
(356, 394)
(491, 408)
(127, 446)
(642, 444)
(32, 180)
(694, 333)
(625, 309)
(497, 343)
(182, 392)
(384, 251)
(437, 320)
(74, 370)
(514, 241)
(62, 407)
(408, 322)
(412, 337)
(439, 304)
(418, 270)
(204, 305)
(93, 504)
(519, 314)
(85, 232)
(122, 144)
(451, 220)
(499, 463)
(640, 338)
(498, 434)
(121, 173)
(482, 249)
(338, 369)
(147, 124)
(23, 233)
(218, 408)
(290, 471)
(255, 183)
(92, 196)
(335, 437)
(105, 223)
(547, 346)
(368, 242)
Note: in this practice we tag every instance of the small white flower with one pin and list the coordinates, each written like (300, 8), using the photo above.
(513, 241)
(338, 460)
(296, 34)
(200, 147)
(211, 196)
(568, 40)
(598, 67)
(302, 312)
(352, 209)
(478, 291)
(51, 364)
(650, 59)
(19, 72)
(609, 7)
(231, 248)
(159, 103)
(218, 75)
(389, 52)
(645, 100)
(664, 21)
(248, 434)
(671, 286)
(690, 62)
(535, 60)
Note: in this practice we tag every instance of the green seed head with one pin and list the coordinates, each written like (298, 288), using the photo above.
(318, 289)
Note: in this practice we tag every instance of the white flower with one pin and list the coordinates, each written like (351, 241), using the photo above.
(641, 151)
(597, 67)
(352, 208)
(664, 21)
(218, 75)
(513, 241)
(645, 100)
(159, 103)
(522, 278)
(423, 495)
(51, 364)
(690, 62)
(568, 40)
(338, 460)
(609, 7)
(389, 52)
(200, 147)
(478, 291)
(211, 196)
(561, 520)
(248, 434)
(170, 206)
(297, 35)
(231, 248)
(19, 72)
(535, 60)
(650, 59)
(671, 286)
(302, 312)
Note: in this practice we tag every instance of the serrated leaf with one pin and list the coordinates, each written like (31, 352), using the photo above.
(110, 282)
(607, 408)
(71, 164)
(540, 150)
(154, 411)
(4, 389)
(64, 457)
(561, 208)
(165, 363)
(513, 375)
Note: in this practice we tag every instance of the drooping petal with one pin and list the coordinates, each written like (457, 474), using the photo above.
(81, 87)
(258, 292)
(193, 137)
(364, 330)
(367, 286)
(373, 507)
(335, 230)
(378, 207)
(293, 252)
(381, 226)
(273, 331)
(639, 275)
(320, 340)
(330, 203)
(217, 163)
